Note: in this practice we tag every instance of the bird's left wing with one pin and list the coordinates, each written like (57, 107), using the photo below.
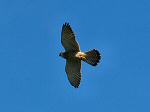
(73, 70)
(68, 38)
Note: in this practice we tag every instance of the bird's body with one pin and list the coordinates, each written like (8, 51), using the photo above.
(74, 55)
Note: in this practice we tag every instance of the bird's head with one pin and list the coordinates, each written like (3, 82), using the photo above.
(61, 54)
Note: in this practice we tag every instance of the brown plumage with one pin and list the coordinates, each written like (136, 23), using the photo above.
(74, 56)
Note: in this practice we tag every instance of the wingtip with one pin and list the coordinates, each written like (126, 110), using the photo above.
(76, 86)
(66, 24)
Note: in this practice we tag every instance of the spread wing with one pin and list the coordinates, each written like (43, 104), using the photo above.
(68, 38)
(73, 70)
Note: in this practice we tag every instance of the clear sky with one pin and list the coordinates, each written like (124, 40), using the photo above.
(32, 75)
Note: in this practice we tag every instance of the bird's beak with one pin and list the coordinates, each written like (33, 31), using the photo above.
(59, 54)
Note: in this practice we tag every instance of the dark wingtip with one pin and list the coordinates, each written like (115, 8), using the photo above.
(66, 24)
(75, 86)
(95, 64)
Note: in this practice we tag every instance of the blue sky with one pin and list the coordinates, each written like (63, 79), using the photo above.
(32, 75)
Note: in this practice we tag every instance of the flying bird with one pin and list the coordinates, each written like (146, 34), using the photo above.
(74, 55)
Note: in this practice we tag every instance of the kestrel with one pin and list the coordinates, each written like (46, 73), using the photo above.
(74, 56)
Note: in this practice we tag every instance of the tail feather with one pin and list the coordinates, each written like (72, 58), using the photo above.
(92, 57)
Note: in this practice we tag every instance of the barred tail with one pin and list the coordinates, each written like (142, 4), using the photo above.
(92, 57)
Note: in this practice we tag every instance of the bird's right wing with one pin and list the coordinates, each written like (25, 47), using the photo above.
(73, 70)
(68, 38)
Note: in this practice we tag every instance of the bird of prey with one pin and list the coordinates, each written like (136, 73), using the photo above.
(74, 55)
